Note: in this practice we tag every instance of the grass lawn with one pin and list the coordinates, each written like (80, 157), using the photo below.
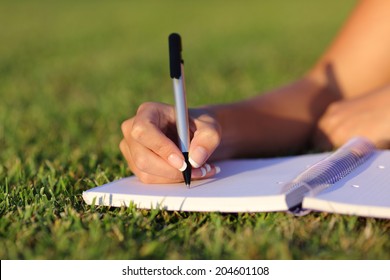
(72, 71)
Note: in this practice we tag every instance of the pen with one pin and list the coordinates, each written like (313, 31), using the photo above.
(176, 65)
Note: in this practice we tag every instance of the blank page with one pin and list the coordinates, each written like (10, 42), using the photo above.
(241, 186)
(364, 192)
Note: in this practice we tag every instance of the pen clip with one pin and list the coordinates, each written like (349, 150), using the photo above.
(175, 58)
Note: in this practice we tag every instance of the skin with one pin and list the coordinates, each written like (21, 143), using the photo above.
(367, 115)
(360, 60)
(345, 94)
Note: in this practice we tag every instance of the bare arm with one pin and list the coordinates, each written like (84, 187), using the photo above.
(275, 123)
(284, 120)
(360, 60)
(280, 121)
(359, 57)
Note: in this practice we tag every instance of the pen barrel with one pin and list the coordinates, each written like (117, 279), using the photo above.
(181, 111)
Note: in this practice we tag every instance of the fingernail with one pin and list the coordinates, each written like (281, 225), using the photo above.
(208, 167)
(204, 172)
(198, 156)
(177, 162)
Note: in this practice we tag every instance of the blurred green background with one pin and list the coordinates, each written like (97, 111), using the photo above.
(72, 71)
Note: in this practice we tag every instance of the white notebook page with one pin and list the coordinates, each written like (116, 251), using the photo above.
(241, 186)
(364, 192)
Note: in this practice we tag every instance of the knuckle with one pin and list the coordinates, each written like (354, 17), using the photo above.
(143, 106)
(126, 126)
(137, 131)
(146, 106)
(334, 108)
(141, 163)
(122, 146)
(322, 123)
(163, 150)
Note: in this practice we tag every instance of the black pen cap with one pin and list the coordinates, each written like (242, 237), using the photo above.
(175, 58)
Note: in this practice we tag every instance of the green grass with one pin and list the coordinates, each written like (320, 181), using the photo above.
(72, 71)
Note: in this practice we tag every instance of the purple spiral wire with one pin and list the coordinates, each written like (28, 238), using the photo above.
(328, 171)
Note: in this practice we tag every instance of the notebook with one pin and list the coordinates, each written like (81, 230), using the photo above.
(354, 180)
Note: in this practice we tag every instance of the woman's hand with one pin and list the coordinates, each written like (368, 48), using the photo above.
(367, 115)
(150, 149)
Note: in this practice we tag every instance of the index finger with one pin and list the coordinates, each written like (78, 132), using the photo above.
(154, 128)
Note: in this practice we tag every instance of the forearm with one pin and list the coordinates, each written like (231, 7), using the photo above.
(283, 120)
(358, 60)
(274, 123)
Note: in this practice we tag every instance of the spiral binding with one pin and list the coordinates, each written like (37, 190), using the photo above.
(326, 172)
